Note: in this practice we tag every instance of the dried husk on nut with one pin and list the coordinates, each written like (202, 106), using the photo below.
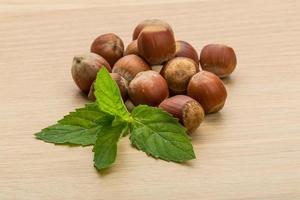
(189, 112)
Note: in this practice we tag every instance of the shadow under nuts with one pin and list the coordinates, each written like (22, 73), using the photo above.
(209, 90)
(109, 46)
(129, 66)
(85, 68)
(148, 88)
(189, 112)
(218, 59)
(178, 72)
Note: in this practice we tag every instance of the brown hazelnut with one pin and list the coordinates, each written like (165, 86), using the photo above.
(129, 66)
(149, 22)
(156, 44)
(189, 112)
(85, 68)
(209, 90)
(218, 59)
(109, 46)
(132, 48)
(178, 72)
(148, 88)
(121, 82)
(184, 49)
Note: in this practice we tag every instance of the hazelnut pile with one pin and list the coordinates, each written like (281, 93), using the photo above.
(157, 70)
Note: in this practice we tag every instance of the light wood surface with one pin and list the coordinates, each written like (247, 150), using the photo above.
(250, 150)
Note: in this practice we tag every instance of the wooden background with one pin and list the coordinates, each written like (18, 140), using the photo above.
(250, 150)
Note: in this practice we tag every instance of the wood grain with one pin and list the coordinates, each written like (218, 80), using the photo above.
(250, 150)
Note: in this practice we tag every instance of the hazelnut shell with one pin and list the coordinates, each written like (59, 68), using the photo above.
(156, 44)
(149, 22)
(218, 59)
(178, 72)
(148, 88)
(209, 90)
(129, 66)
(184, 49)
(189, 112)
(109, 46)
(85, 68)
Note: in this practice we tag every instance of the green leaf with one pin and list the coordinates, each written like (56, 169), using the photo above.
(80, 127)
(157, 133)
(108, 95)
(105, 148)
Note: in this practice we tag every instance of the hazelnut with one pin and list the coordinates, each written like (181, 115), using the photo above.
(178, 72)
(209, 90)
(189, 112)
(149, 22)
(218, 59)
(148, 88)
(156, 44)
(85, 68)
(132, 48)
(129, 105)
(109, 46)
(129, 66)
(121, 82)
(157, 68)
(184, 49)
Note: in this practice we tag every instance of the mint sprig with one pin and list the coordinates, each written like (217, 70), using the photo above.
(104, 122)
(160, 135)
(79, 127)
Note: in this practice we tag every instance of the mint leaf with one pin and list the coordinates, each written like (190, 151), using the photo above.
(106, 145)
(80, 127)
(157, 133)
(108, 95)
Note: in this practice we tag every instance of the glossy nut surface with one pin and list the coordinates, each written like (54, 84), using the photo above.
(85, 68)
(209, 90)
(148, 88)
(156, 44)
(129, 66)
(132, 48)
(189, 112)
(109, 46)
(184, 49)
(178, 72)
(218, 59)
(149, 22)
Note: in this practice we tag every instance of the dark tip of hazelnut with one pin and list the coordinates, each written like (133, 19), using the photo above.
(178, 72)
(109, 46)
(149, 88)
(189, 112)
(218, 59)
(209, 90)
